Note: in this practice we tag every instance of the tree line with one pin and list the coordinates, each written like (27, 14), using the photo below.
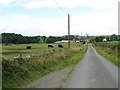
(13, 38)
(19, 39)
(112, 37)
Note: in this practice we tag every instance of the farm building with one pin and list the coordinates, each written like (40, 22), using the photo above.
(104, 39)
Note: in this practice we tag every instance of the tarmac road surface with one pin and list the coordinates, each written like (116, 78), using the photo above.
(93, 71)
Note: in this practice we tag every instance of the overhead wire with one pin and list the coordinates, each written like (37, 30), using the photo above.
(60, 7)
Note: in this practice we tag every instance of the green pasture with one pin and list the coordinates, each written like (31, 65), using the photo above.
(18, 73)
(10, 51)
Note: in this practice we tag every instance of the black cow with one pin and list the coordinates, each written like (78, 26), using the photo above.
(60, 46)
(50, 46)
(28, 47)
(83, 42)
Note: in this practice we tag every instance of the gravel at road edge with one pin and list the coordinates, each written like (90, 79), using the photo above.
(53, 80)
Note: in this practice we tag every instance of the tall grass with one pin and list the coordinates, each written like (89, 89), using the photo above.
(18, 73)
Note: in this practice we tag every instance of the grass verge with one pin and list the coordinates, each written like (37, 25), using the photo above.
(18, 73)
(112, 56)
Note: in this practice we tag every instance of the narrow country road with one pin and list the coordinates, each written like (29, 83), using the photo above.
(93, 71)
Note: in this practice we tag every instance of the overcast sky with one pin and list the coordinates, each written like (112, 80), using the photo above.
(44, 17)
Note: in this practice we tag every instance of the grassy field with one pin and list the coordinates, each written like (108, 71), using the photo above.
(13, 50)
(20, 72)
(109, 50)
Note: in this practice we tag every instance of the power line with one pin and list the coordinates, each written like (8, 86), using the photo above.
(60, 7)
(68, 22)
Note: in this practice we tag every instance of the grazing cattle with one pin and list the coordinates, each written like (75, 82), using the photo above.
(83, 42)
(28, 47)
(60, 46)
(50, 46)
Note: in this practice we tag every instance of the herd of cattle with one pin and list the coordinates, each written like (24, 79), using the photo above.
(49, 46)
(29, 47)
(30, 57)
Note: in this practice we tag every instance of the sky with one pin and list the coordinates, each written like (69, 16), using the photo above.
(49, 17)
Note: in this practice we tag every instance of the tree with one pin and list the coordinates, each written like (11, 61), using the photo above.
(113, 37)
(99, 38)
(43, 38)
(50, 39)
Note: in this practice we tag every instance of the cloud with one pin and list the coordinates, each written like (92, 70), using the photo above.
(96, 23)
(95, 4)
(100, 23)
(36, 26)
(21, 16)
(39, 4)
(5, 2)
(104, 20)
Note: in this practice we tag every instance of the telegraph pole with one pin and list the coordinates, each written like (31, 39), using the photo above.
(68, 30)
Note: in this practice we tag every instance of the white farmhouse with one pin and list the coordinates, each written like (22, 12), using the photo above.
(104, 39)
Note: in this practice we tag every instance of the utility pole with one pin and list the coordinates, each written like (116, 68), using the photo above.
(68, 30)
